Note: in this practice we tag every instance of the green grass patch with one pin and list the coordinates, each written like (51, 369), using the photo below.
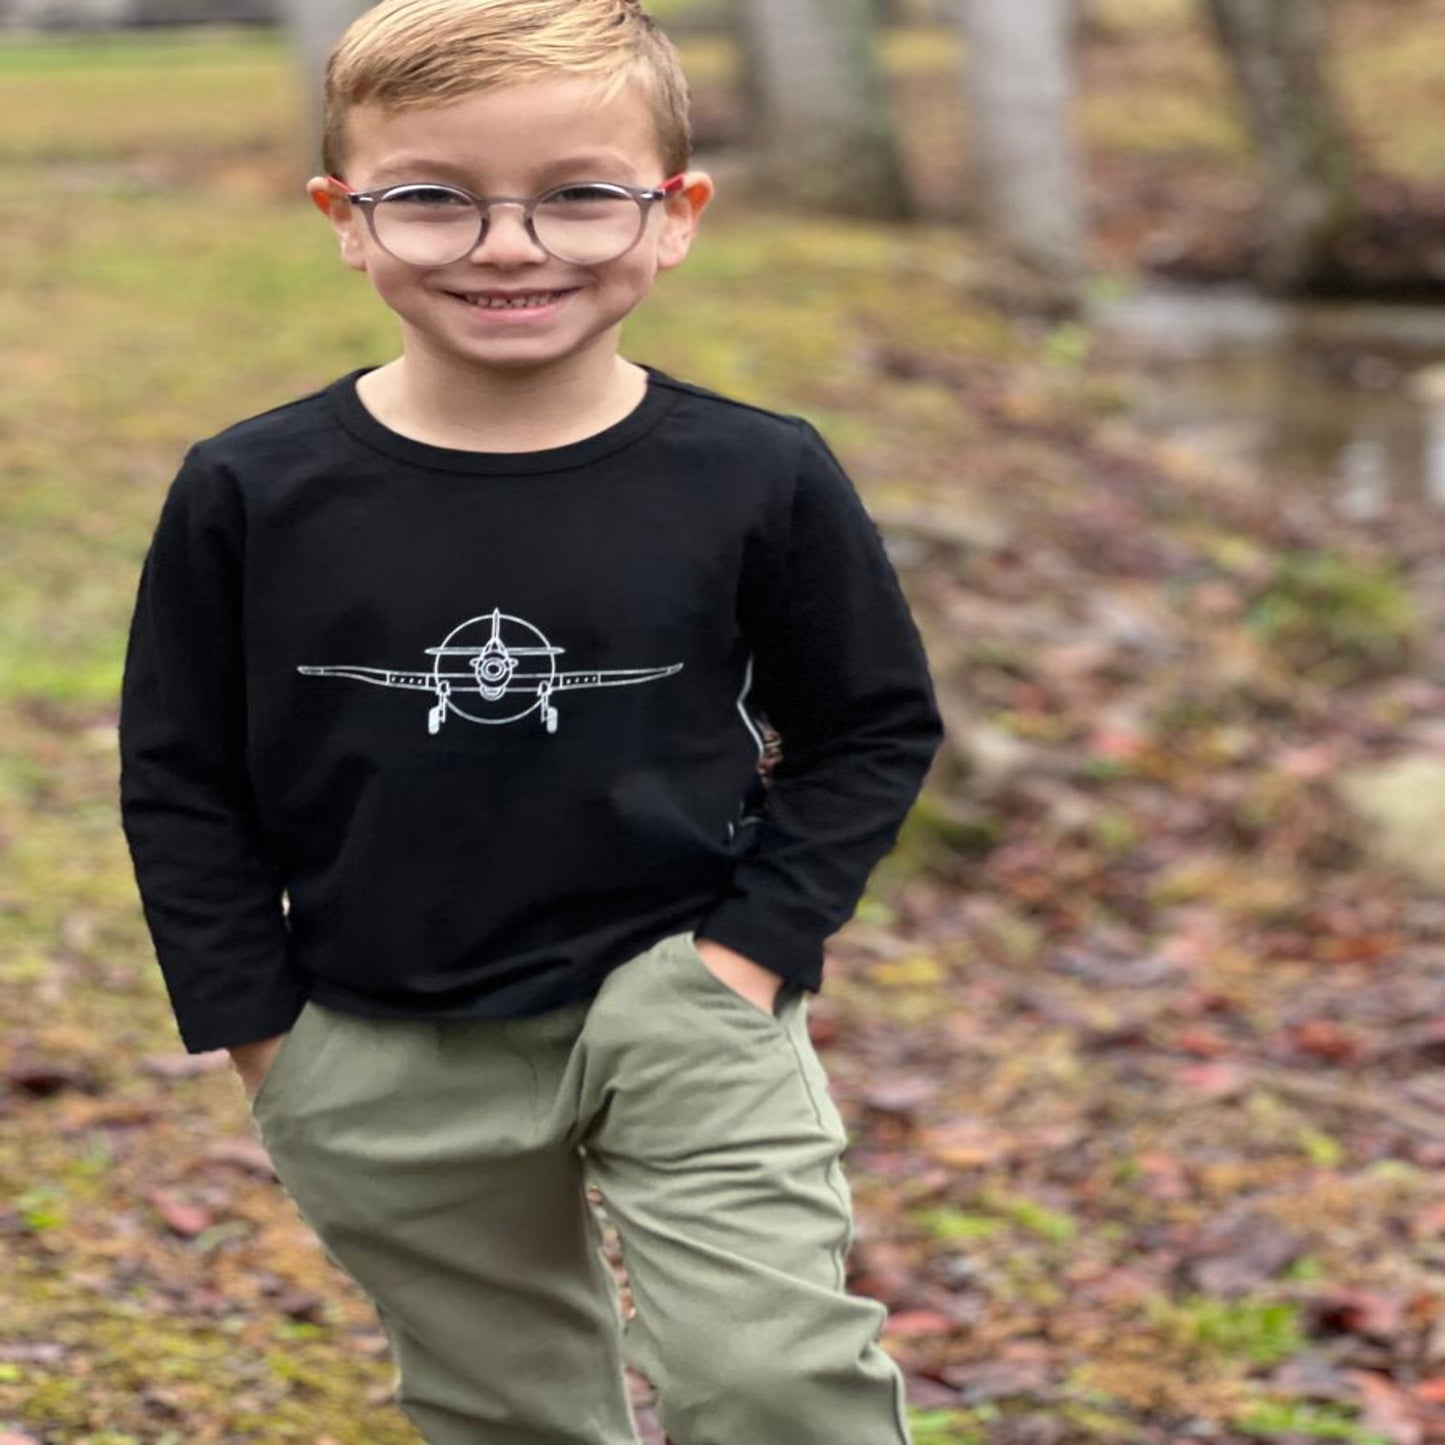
(955, 1224)
(1336, 618)
(90, 54)
(1261, 1331)
(1294, 1420)
(947, 1427)
(999, 1211)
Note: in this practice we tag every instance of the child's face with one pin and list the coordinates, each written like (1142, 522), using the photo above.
(518, 141)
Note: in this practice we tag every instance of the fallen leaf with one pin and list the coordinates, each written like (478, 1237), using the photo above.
(901, 1095)
(42, 1080)
(1324, 1039)
(1202, 1043)
(187, 1220)
(1367, 1313)
(996, 1380)
(1162, 1175)
(917, 972)
(248, 1153)
(184, 1065)
(1427, 1089)
(926, 1394)
(1312, 1375)
(302, 1304)
(964, 1143)
(1219, 1081)
(1387, 1409)
(914, 1324)
(32, 1354)
(1243, 1254)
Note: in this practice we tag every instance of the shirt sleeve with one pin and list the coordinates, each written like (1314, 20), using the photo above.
(212, 900)
(840, 671)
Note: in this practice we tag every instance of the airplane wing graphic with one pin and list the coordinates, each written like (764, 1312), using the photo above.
(421, 681)
(465, 682)
(618, 677)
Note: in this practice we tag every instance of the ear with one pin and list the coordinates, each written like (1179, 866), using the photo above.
(345, 220)
(682, 217)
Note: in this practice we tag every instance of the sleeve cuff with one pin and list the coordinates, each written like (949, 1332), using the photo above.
(246, 1021)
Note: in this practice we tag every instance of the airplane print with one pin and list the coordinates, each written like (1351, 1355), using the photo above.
(499, 681)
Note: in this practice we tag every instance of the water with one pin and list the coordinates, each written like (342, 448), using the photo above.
(1349, 396)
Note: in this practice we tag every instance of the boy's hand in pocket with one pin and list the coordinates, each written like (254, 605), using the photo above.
(757, 984)
(253, 1061)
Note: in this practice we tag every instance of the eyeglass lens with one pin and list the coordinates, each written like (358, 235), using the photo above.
(434, 226)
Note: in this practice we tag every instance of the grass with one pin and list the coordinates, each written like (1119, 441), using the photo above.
(88, 99)
(1288, 1420)
(1264, 1331)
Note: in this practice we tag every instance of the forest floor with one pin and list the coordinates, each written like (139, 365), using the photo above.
(1143, 1058)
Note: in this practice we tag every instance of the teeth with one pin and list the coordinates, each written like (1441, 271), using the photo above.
(541, 299)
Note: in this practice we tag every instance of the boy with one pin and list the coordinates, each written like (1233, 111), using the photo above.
(440, 770)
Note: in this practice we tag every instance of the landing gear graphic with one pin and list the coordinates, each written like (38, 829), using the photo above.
(494, 669)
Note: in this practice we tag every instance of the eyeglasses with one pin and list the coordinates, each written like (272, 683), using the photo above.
(583, 223)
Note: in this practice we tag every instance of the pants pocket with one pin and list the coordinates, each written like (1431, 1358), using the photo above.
(292, 1048)
(789, 998)
(783, 1005)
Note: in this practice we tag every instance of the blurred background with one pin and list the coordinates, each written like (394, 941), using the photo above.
(1128, 318)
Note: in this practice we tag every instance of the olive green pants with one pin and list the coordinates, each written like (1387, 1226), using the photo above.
(443, 1166)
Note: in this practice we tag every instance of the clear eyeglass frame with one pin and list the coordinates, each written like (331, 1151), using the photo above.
(645, 197)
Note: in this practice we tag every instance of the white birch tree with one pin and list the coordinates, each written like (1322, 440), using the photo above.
(1019, 90)
(1276, 49)
(822, 122)
(315, 27)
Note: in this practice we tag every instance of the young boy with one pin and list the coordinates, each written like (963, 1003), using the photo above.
(441, 770)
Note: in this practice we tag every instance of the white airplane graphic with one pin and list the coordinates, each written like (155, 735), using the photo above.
(490, 673)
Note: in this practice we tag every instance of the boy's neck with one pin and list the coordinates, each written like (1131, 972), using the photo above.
(521, 410)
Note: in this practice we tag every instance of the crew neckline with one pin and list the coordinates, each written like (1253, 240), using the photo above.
(365, 428)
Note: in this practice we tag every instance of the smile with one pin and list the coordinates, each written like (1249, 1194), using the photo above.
(531, 301)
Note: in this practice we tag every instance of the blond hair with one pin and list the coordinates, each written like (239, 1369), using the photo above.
(409, 53)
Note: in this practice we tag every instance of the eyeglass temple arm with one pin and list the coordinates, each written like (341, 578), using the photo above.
(322, 201)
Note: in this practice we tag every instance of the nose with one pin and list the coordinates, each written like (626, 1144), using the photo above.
(507, 240)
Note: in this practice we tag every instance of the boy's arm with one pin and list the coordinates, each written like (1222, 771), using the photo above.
(840, 671)
(211, 897)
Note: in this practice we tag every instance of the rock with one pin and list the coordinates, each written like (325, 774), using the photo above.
(1400, 802)
(1429, 385)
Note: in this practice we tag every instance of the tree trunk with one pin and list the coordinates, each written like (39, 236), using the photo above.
(1020, 85)
(1276, 49)
(824, 131)
(315, 27)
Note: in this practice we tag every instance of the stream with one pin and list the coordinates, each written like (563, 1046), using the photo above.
(1350, 395)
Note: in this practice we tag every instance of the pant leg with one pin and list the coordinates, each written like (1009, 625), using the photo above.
(711, 1135)
(416, 1153)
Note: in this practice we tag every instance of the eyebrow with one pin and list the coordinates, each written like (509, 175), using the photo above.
(411, 166)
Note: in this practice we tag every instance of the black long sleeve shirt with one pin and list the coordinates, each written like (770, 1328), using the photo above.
(430, 733)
